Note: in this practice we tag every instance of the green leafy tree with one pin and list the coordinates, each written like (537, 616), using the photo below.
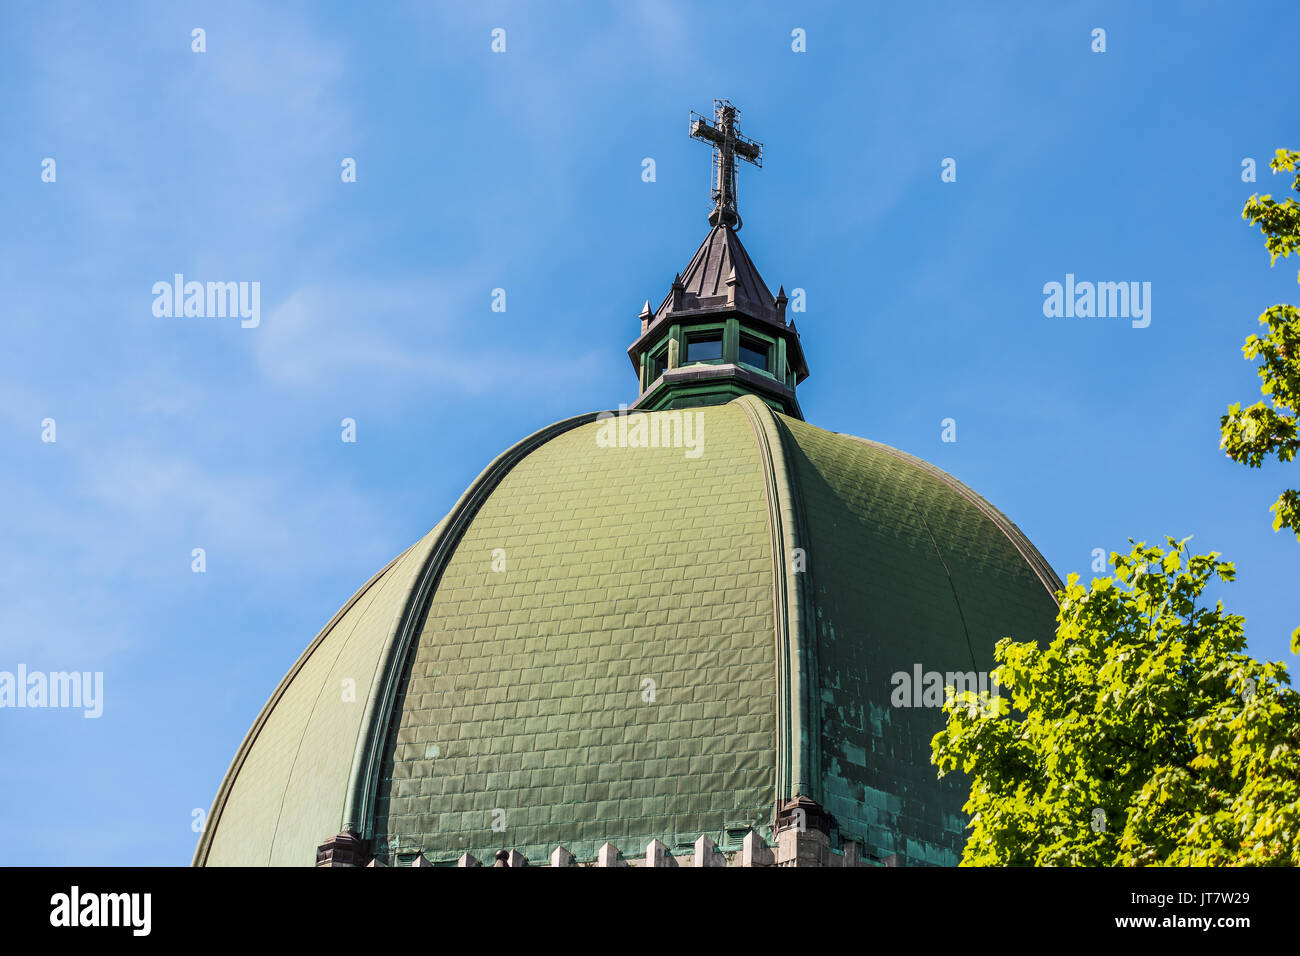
(1268, 428)
(1142, 735)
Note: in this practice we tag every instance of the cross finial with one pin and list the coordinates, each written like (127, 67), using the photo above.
(728, 144)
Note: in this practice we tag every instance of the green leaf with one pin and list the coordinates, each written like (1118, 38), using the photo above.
(1146, 707)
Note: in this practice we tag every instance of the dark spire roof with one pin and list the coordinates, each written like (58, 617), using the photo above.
(721, 275)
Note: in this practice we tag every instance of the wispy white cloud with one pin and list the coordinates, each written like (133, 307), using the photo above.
(415, 332)
(116, 523)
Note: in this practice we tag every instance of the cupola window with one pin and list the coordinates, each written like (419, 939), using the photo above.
(658, 362)
(755, 352)
(704, 347)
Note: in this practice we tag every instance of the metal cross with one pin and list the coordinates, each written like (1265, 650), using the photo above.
(727, 143)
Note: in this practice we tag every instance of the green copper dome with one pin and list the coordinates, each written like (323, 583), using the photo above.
(703, 620)
(605, 642)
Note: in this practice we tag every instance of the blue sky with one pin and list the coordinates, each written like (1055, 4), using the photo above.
(522, 171)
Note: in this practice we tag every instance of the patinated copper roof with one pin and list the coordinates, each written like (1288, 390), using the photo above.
(522, 686)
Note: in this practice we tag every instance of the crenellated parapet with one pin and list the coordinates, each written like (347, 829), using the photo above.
(795, 846)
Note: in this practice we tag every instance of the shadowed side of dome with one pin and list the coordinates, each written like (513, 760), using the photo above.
(912, 579)
(288, 783)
